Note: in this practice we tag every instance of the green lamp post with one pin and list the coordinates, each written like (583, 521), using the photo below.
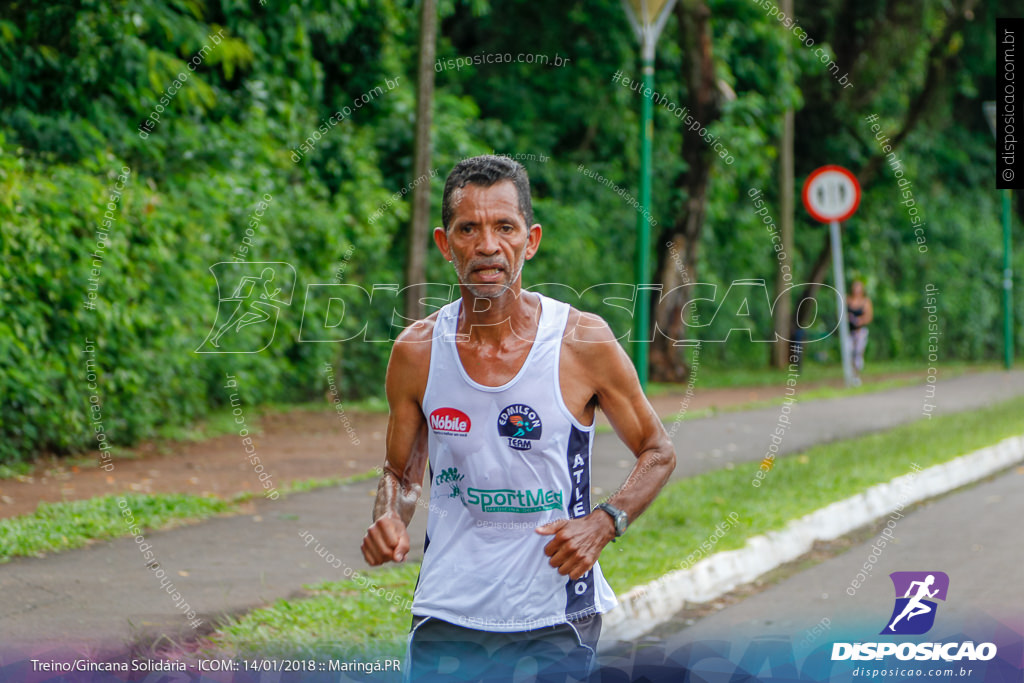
(990, 114)
(648, 18)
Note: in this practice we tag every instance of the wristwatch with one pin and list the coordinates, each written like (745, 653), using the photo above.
(620, 517)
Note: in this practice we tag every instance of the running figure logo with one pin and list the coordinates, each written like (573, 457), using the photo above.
(914, 613)
(258, 292)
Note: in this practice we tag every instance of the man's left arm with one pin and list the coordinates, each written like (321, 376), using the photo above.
(595, 356)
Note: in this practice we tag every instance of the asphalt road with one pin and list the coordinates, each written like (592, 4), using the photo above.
(973, 535)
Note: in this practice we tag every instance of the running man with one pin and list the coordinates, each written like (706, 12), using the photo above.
(251, 309)
(915, 606)
(498, 390)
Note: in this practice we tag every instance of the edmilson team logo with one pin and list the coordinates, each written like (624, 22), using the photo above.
(450, 422)
(521, 424)
(916, 593)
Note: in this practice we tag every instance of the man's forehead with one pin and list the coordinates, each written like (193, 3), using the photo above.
(499, 196)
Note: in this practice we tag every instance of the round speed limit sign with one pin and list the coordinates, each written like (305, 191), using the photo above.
(831, 193)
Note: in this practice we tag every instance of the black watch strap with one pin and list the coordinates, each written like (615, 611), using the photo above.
(618, 516)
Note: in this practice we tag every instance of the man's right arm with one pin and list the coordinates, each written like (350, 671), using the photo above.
(401, 482)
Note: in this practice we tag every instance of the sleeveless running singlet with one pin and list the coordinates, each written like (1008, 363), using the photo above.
(503, 461)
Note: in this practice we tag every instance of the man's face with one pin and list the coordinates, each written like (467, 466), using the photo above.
(488, 241)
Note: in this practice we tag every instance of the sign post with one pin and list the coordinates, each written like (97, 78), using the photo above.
(831, 195)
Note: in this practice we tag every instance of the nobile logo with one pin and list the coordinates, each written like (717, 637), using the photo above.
(450, 422)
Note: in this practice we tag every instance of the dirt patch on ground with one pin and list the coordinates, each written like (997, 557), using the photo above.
(290, 446)
(295, 445)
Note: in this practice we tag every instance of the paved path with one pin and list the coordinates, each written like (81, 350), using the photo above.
(973, 535)
(104, 596)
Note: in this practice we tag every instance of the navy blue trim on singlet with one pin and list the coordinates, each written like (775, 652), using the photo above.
(579, 594)
(426, 536)
(426, 542)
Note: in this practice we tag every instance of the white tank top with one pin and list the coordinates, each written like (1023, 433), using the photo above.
(503, 461)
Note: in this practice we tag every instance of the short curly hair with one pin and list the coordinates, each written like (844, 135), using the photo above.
(486, 170)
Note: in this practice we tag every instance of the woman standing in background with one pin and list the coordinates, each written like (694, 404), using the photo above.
(860, 314)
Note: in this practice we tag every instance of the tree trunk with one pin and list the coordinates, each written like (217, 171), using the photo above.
(676, 267)
(941, 57)
(783, 312)
(419, 228)
(678, 244)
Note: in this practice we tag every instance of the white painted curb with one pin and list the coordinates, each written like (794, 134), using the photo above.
(645, 606)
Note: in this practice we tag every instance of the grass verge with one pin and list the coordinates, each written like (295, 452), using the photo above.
(373, 610)
(336, 620)
(72, 524)
(301, 485)
(710, 376)
(687, 512)
(61, 526)
(221, 421)
(15, 469)
(819, 393)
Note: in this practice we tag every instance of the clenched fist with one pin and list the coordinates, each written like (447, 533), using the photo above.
(577, 543)
(387, 540)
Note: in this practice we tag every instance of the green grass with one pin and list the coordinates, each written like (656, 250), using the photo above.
(342, 620)
(869, 385)
(825, 392)
(216, 423)
(814, 394)
(878, 382)
(686, 512)
(372, 404)
(336, 621)
(71, 524)
(221, 421)
(711, 377)
(61, 526)
(875, 381)
(300, 485)
(15, 469)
